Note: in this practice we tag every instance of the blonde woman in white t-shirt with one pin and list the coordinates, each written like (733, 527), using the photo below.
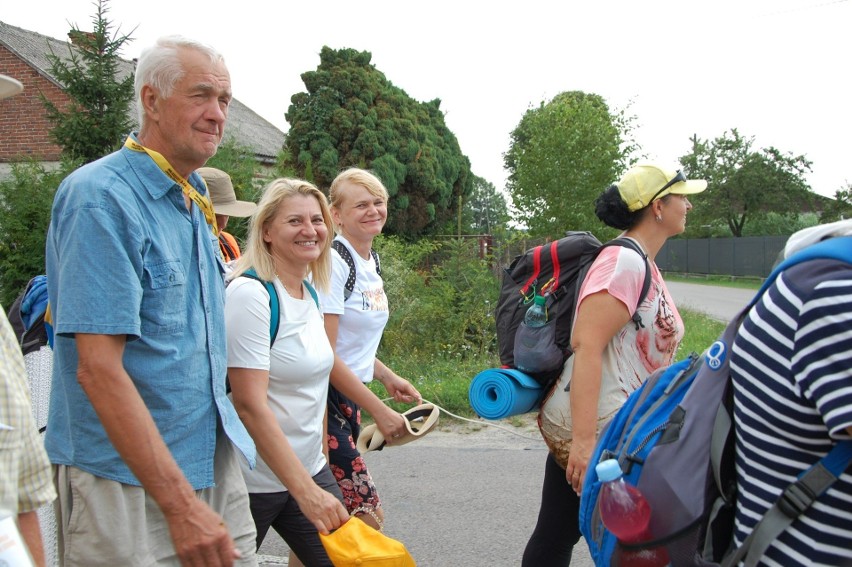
(612, 355)
(354, 326)
(280, 391)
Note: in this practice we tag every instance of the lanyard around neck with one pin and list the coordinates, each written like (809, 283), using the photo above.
(201, 200)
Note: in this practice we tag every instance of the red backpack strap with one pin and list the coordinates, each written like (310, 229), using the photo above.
(554, 259)
(536, 269)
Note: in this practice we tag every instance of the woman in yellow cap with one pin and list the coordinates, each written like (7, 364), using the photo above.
(612, 355)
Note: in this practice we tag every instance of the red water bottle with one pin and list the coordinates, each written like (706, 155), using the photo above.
(626, 513)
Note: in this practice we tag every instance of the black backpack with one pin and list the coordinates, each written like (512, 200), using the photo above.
(349, 286)
(556, 270)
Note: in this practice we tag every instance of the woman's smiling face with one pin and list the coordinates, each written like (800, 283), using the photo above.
(360, 215)
(297, 232)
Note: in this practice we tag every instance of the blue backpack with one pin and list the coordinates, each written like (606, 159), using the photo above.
(674, 440)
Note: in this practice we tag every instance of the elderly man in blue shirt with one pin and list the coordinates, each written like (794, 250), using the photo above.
(140, 428)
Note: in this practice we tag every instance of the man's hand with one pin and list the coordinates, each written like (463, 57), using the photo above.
(201, 538)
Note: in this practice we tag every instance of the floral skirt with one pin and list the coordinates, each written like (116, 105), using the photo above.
(347, 464)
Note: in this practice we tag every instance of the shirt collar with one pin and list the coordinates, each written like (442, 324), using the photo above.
(155, 181)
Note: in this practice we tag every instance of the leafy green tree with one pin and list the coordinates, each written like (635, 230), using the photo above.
(94, 123)
(239, 162)
(97, 119)
(840, 207)
(25, 201)
(351, 115)
(485, 210)
(562, 155)
(744, 184)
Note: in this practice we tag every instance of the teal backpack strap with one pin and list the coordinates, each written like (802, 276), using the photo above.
(312, 291)
(273, 303)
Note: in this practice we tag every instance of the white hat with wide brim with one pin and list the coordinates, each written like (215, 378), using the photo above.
(9, 87)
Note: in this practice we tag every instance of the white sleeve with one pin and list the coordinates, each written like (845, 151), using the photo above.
(332, 302)
(247, 314)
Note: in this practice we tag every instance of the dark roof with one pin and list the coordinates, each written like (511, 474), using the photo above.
(245, 126)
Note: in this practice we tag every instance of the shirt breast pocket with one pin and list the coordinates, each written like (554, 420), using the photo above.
(10, 438)
(163, 298)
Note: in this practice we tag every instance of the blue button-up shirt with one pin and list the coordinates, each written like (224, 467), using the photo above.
(126, 257)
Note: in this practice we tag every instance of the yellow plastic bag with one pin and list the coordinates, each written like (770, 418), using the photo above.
(355, 544)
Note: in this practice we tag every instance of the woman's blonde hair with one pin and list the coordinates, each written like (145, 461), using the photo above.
(256, 254)
(355, 176)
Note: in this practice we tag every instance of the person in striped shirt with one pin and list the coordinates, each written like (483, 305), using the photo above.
(792, 374)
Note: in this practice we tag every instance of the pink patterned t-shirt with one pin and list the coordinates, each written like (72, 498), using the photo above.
(632, 354)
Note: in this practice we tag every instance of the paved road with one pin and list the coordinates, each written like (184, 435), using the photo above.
(721, 303)
(462, 497)
(470, 497)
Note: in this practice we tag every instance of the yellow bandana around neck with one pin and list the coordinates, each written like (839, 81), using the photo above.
(202, 201)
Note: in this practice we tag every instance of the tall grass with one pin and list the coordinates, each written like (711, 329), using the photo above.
(700, 333)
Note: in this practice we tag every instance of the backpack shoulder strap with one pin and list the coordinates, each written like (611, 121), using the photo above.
(375, 256)
(312, 291)
(273, 304)
(793, 502)
(349, 286)
(347, 257)
(646, 283)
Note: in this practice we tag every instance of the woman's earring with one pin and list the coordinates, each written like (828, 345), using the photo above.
(659, 218)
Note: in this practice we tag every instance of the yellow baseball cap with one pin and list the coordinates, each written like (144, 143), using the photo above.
(645, 182)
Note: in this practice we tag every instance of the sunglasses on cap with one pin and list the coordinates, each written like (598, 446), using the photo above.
(679, 176)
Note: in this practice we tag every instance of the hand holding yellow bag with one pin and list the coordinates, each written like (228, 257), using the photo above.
(355, 544)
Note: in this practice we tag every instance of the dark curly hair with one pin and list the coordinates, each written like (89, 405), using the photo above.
(612, 210)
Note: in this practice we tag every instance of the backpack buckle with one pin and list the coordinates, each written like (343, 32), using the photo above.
(796, 499)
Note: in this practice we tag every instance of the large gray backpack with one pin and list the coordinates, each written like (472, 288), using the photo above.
(674, 440)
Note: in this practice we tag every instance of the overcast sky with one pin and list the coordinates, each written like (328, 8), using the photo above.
(775, 69)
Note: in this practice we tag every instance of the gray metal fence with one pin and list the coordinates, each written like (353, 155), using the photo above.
(750, 256)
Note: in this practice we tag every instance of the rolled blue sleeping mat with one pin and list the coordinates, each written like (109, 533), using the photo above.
(496, 393)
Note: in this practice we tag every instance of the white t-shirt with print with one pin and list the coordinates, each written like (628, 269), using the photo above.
(298, 364)
(362, 317)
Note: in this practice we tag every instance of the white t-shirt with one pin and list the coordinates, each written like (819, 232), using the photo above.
(362, 317)
(298, 364)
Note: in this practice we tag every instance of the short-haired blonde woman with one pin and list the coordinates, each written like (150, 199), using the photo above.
(354, 324)
(280, 391)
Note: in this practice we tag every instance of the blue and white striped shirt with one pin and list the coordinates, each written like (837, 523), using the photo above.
(792, 374)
